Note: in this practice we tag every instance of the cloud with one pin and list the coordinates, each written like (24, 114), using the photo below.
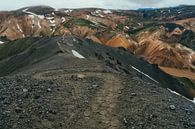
(114, 4)
(161, 3)
(146, 2)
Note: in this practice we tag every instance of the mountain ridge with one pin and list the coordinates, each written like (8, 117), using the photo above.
(97, 68)
(39, 21)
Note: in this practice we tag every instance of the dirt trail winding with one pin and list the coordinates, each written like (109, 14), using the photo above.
(80, 98)
(104, 104)
(102, 110)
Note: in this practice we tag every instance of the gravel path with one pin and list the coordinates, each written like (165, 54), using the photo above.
(102, 110)
(89, 99)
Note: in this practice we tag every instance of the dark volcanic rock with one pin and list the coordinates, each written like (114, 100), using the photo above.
(46, 86)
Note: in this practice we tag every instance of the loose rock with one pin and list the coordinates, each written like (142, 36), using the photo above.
(172, 107)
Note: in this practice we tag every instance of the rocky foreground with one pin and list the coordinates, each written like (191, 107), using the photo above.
(90, 98)
(66, 83)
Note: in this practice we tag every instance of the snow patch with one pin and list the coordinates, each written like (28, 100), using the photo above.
(53, 25)
(193, 101)
(31, 13)
(33, 21)
(107, 11)
(97, 11)
(54, 30)
(39, 25)
(52, 21)
(74, 40)
(31, 16)
(87, 16)
(76, 54)
(101, 15)
(139, 24)
(68, 11)
(94, 14)
(49, 18)
(126, 27)
(24, 10)
(41, 16)
(63, 19)
(1, 42)
(173, 92)
(144, 74)
(127, 36)
(19, 28)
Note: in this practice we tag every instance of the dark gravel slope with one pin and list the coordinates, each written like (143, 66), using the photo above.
(89, 99)
(53, 89)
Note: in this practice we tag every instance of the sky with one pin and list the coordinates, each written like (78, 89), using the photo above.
(107, 4)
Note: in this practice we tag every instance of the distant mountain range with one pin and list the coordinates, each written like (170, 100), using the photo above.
(147, 9)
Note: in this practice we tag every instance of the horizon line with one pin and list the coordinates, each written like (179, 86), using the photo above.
(93, 7)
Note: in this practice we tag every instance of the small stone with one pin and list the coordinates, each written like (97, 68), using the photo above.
(53, 112)
(25, 90)
(94, 86)
(119, 92)
(124, 83)
(193, 124)
(72, 76)
(18, 110)
(189, 110)
(81, 76)
(172, 107)
(106, 121)
(49, 90)
(37, 96)
(103, 112)
(125, 121)
(86, 113)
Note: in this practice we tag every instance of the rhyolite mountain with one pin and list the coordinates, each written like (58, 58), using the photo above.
(161, 36)
(97, 68)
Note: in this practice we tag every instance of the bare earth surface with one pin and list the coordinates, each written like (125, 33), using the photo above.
(93, 99)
